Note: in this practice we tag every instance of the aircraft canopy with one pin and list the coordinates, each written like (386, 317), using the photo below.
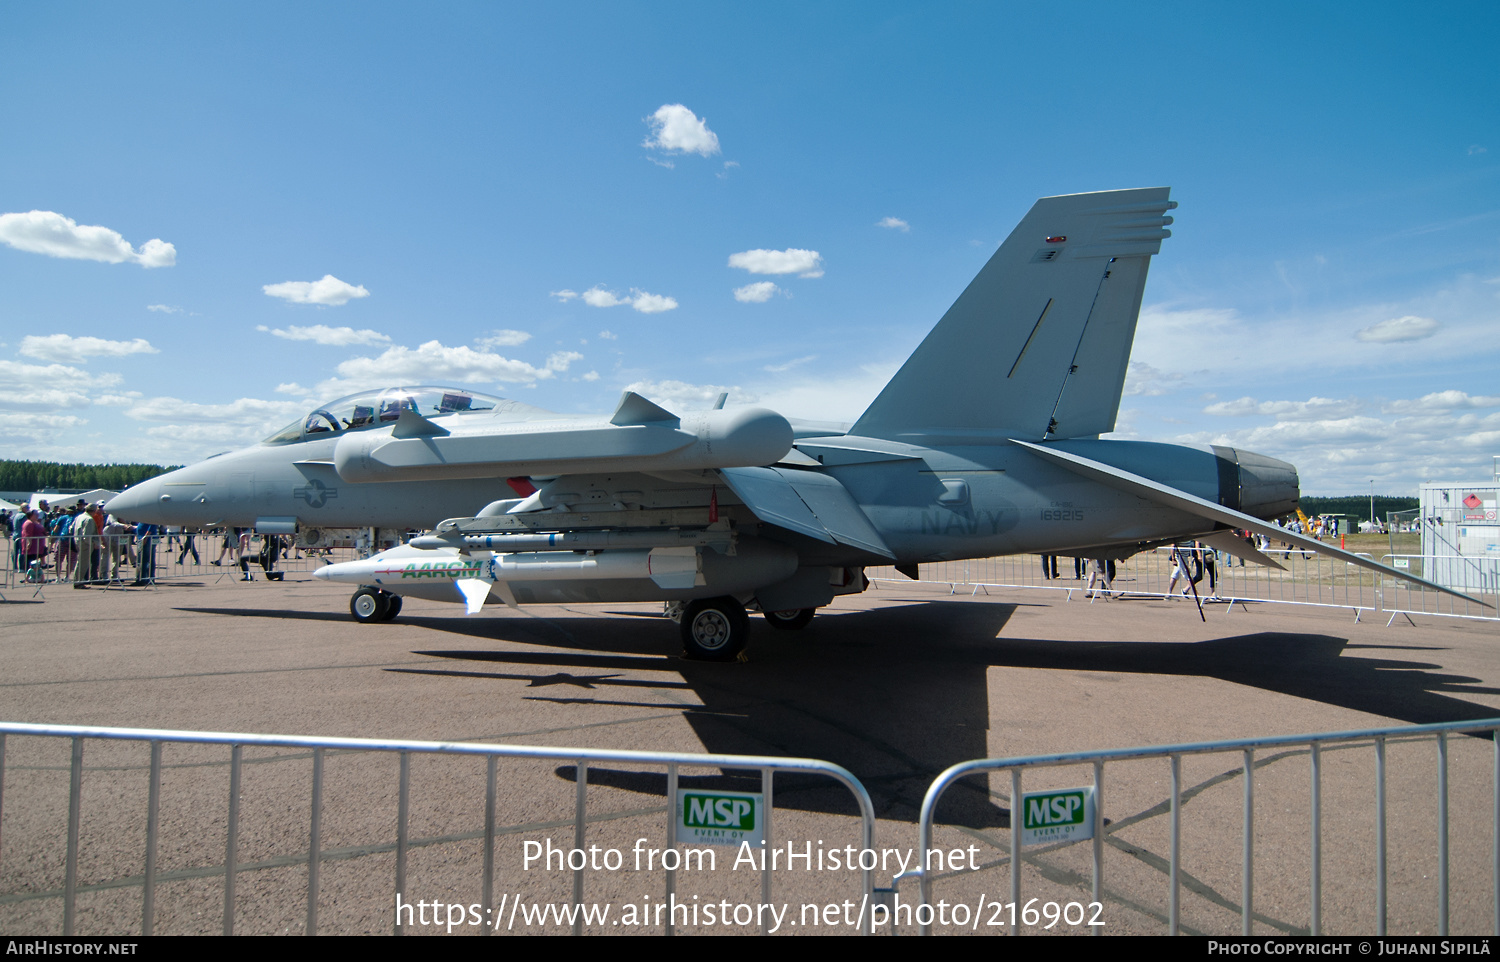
(369, 409)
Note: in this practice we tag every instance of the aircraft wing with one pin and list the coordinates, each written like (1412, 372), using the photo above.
(1182, 501)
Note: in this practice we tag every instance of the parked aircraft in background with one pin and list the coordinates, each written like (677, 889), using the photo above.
(984, 443)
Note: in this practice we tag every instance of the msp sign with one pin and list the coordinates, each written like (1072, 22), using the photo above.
(721, 818)
(1059, 816)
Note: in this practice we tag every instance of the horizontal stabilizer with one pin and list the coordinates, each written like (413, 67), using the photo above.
(1182, 501)
(807, 502)
(1231, 543)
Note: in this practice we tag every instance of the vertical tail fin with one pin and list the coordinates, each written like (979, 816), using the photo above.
(1036, 346)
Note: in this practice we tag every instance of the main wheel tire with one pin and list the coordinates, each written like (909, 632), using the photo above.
(369, 605)
(392, 606)
(715, 629)
(793, 619)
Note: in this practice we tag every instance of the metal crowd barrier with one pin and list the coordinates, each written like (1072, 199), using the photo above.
(1309, 579)
(124, 560)
(580, 757)
(1315, 744)
(1478, 577)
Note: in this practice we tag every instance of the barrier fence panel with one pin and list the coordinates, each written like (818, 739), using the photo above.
(114, 561)
(1477, 577)
(1261, 765)
(1307, 578)
(98, 866)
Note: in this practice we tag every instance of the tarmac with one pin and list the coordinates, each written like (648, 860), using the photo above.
(896, 685)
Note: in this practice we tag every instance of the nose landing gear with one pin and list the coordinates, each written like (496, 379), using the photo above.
(370, 605)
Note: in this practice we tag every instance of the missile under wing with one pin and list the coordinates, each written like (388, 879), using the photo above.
(984, 443)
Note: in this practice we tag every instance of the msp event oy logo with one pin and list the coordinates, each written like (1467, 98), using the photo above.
(720, 818)
(1061, 816)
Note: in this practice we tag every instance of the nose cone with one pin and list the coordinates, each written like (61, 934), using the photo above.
(140, 502)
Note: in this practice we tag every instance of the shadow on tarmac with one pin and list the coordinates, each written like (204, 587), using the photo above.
(897, 694)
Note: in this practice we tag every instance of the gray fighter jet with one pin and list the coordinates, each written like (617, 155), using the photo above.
(986, 442)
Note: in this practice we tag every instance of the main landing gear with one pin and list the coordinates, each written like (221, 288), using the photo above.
(714, 629)
(371, 605)
(793, 619)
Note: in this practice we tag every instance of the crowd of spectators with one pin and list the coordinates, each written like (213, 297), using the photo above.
(76, 541)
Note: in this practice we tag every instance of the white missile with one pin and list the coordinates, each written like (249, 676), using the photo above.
(405, 565)
(640, 436)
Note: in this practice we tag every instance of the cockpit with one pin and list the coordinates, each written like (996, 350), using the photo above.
(373, 408)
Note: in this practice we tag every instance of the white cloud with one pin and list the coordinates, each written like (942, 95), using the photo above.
(791, 261)
(894, 223)
(663, 163)
(651, 303)
(559, 362)
(724, 173)
(676, 129)
(564, 295)
(503, 338)
(1141, 379)
(328, 292)
(680, 395)
(1476, 149)
(62, 347)
(45, 232)
(757, 293)
(640, 300)
(50, 387)
(122, 399)
(591, 376)
(187, 428)
(782, 368)
(242, 413)
(1440, 402)
(163, 308)
(330, 336)
(291, 388)
(44, 399)
(597, 296)
(1408, 328)
(1317, 408)
(38, 428)
(609, 336)
(828, 395)
(430, 363)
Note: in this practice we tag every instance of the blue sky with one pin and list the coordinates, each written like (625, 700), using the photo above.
(1330, 294)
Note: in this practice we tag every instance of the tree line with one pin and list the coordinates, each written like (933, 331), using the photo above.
(1356, 506)
(37, 475)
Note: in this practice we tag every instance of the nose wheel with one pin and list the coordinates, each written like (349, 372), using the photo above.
(371, 605)
(715, 629)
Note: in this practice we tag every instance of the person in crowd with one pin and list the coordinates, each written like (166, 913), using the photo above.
(188, 546)
(117, 536)
(34, 546)
(271, 548)
(230, 547)
(86, 533)
(1101, 573)
(1049, 566)
(1181, 569)
(146, 536)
